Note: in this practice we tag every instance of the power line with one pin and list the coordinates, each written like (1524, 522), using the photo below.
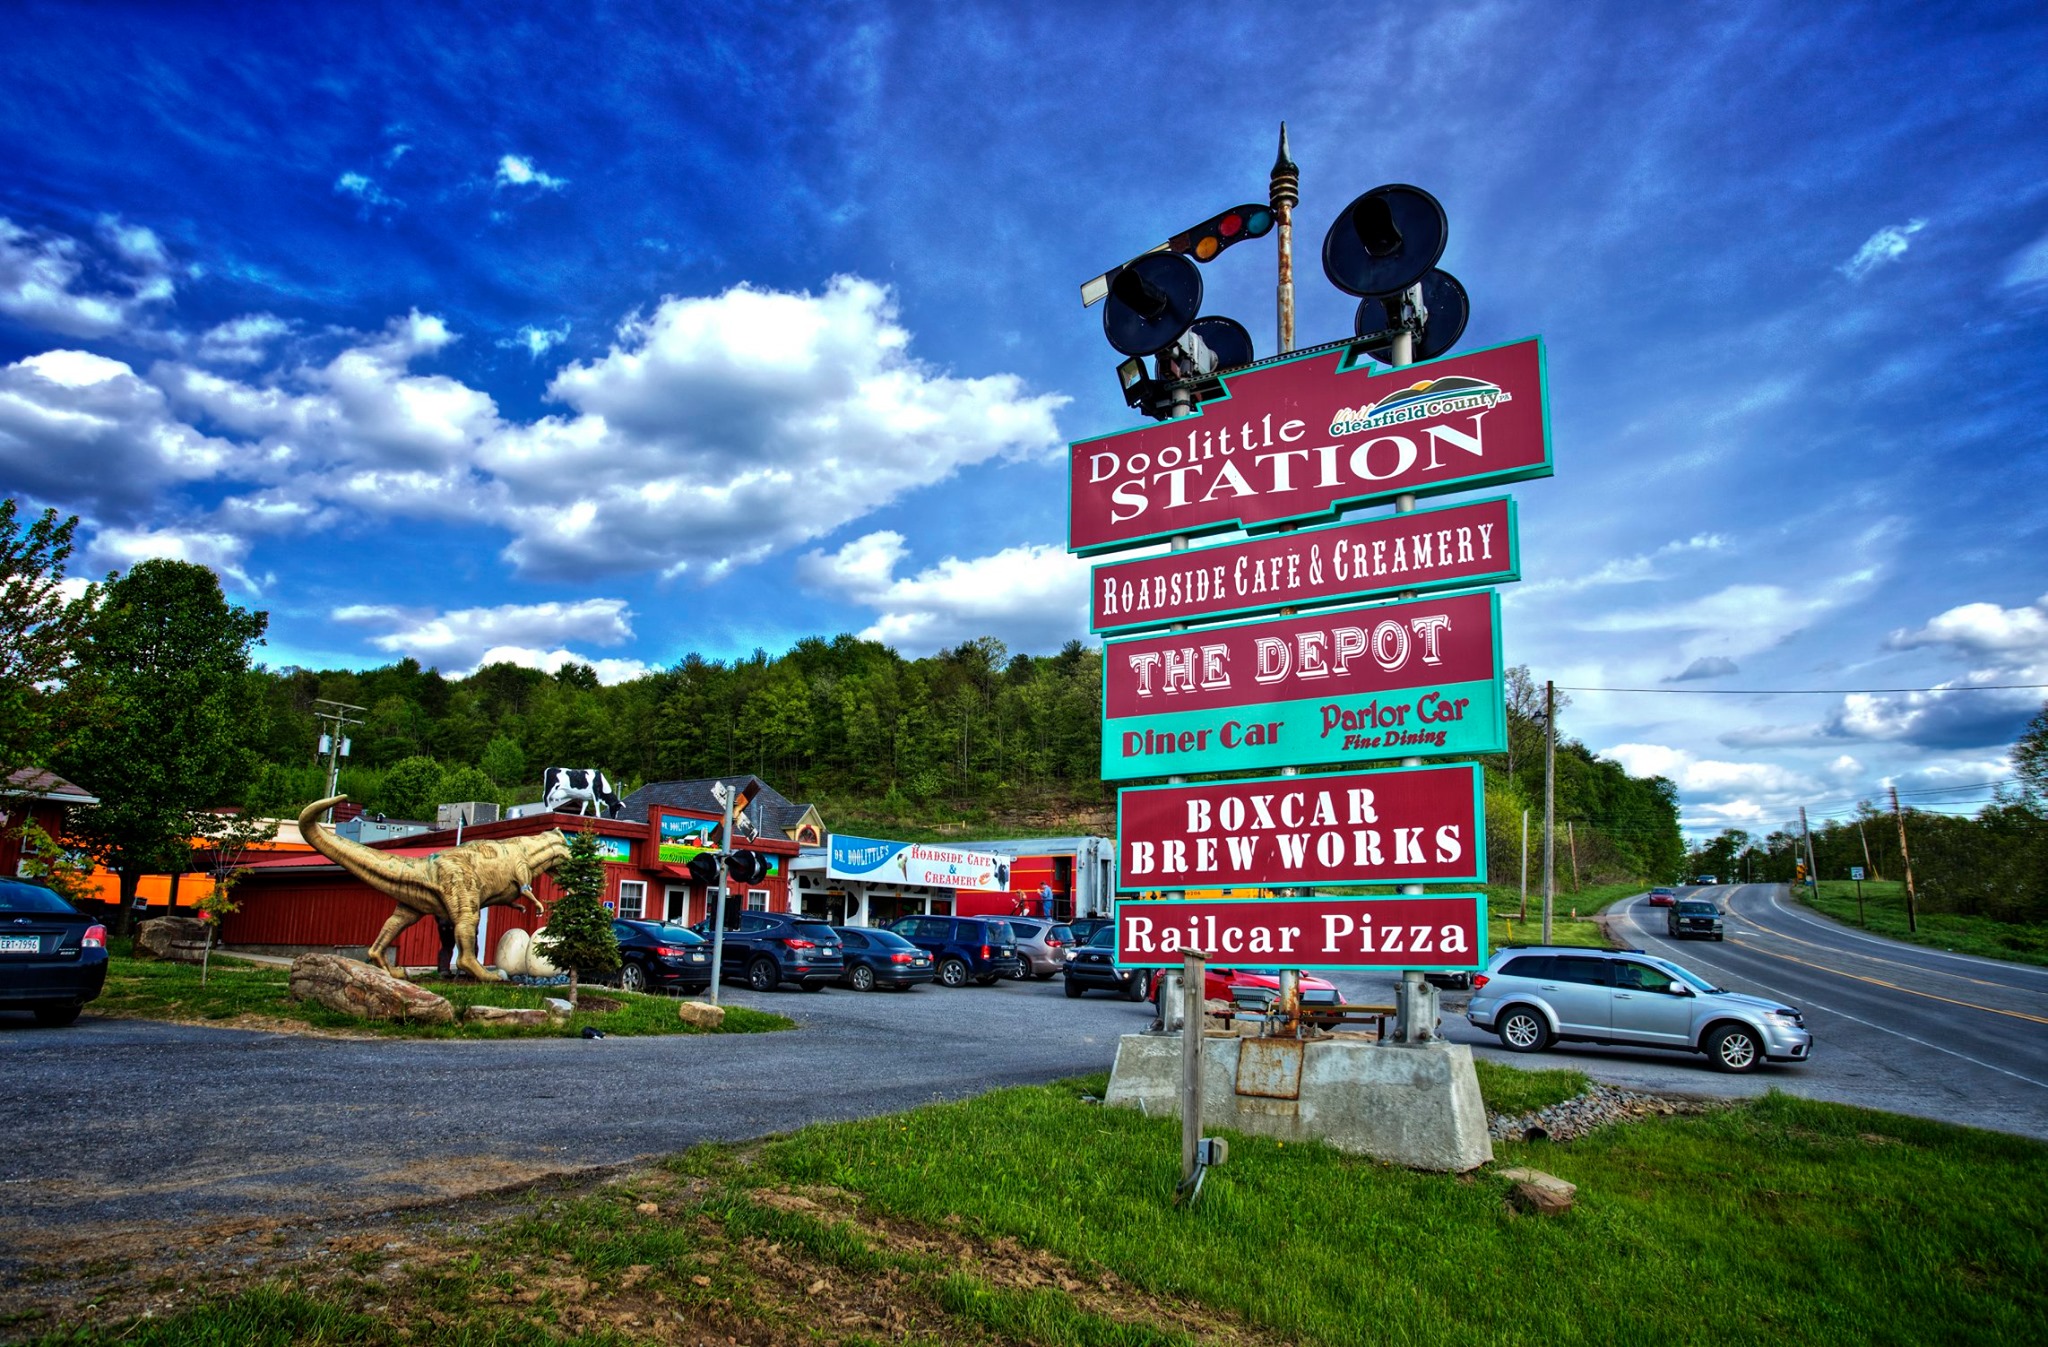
(1813, 692)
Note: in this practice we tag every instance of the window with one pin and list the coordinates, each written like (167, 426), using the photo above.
(1530, 966)
(757, 900)
(632, 898)
(1589, 972)
(1640, 977)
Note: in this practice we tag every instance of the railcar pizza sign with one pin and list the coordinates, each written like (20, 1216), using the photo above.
(1442, 932)
(1348, 684)
(1400, 826)
(1299, 439)
(1452, 547)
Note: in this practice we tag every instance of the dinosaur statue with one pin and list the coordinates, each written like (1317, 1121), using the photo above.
(457, 884)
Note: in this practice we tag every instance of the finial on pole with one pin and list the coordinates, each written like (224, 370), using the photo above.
(1284, 191)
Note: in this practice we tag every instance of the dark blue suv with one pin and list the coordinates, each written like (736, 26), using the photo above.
(766, 949)
(977, 949)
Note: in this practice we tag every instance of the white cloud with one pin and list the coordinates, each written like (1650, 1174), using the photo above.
(1707, 666)
(242, 341)
(1887, 245)
(1631, 570)
(524, 634)
(56, 283)
(2029, 266)
(535, 341)
(365, 189)
(1984, 631)
(1032, 597)
(516, 170)
(223, 553)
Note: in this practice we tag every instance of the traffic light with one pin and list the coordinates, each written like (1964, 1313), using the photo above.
(703, 868)
(1212, 236)
(747, 867)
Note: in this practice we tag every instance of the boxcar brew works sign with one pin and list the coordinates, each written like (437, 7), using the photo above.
(1444, 931)
(1300, 438)
(1346, 684)
(1401, 826)
(1452, 547)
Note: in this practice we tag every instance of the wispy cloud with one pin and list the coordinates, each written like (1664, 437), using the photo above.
(2029, 266)
(535, 341)
(515, 170)
(1888, 244)
(365, 189)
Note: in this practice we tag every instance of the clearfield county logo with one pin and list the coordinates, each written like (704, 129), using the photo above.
(1423, 401)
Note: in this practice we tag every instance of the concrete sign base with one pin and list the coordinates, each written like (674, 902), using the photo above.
(1415, 1105)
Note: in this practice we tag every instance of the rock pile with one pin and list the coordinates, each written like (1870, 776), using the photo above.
(176, 939)
(357, 989)
(1599, 1106)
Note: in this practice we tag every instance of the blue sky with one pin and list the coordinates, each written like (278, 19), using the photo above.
(618, 332)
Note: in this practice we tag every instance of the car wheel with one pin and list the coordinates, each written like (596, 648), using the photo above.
(1734, 1048)
(863, 978)
(56, 1017)
(1719, 936)
(762, 975)
(1137, 987)
(1522, 1030)
(952, 973)
(632, 977)
(1074, 990)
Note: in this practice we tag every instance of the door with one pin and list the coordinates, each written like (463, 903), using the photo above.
(1645, 1011)
(676, 905)
(1577, 990)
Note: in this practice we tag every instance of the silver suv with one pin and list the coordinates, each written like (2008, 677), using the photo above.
(1534, 995)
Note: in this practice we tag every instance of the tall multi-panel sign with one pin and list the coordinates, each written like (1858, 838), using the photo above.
(1283, 648)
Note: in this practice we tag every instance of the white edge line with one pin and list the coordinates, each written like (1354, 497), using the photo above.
(1838, 928)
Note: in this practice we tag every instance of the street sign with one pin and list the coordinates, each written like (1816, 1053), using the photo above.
(1856, 873)
(1440, 932)
(1399, 826)
(1299, 439)
(1458, 546)
(1392, 680)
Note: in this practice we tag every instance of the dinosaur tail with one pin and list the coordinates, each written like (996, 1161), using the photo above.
(397, 876)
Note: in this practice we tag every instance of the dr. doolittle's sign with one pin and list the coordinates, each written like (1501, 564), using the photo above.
(1400, 826)
(1451, 547)
(938, 867)
(1441, 932)
(1301, 438)
(1387, 681)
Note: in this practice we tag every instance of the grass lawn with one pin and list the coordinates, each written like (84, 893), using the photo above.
(149, 990)
(1505, 925)
(1030, 1215)
(1884, 912)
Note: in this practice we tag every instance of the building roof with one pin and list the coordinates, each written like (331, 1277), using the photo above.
(772, 812)
(46, 786)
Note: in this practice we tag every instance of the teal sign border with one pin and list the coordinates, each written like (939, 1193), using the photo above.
(1479, 956)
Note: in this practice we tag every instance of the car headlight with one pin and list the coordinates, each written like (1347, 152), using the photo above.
(1792, 1015)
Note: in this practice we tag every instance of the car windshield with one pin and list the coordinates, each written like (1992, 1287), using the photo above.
(29, 898)
(1697, 909)
(1103, 939)
(999, 933)
(1061, 934)
(1690, 979)
(681, 935)
(813, 930)
(881, 939)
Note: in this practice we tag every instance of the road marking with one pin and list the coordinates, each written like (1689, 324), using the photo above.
(1880, 982)
(1870, 1024)
(1835, 927)
(1777, 934)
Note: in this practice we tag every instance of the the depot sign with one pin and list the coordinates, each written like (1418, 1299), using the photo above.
(1298, 439)
(1353, 684)
(1459, 546)
(1443, 931)
(1407, 825)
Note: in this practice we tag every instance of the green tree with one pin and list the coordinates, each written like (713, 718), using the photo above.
(579, 936)
(503, 762)
(411, 789)
(40, 632)
(163, 714)
(2030, 755)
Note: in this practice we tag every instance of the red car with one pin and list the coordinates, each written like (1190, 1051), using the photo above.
(1663, 897)
(1253, 988)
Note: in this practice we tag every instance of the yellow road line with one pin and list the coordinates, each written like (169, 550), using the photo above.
(1880, 982)
(1777, 934)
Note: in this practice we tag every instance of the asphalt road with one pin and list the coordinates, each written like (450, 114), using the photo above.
(1896, 1026)
(132, 1128)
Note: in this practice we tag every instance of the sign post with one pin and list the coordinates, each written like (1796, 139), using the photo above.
(1856, 873)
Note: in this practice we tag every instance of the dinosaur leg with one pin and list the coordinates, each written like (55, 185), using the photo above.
(396, 923)
(465, 948)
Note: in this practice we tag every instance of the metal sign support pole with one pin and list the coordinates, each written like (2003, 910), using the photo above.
(1415, 1002)
(1194, 964)
(718, 916)
(1549, 803)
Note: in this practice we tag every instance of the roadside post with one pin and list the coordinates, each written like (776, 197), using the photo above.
(1856, 873)
(1315, 637)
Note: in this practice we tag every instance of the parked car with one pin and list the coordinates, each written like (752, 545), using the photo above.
(1693, 916)
(1533, 996)
(53, 958)
(964, 949)
(878, 958)
(655, 957)
(1041, 946)
(1093, 969)
(767, 949)
(1662, 897)
(1254, 988)
(1084, 929)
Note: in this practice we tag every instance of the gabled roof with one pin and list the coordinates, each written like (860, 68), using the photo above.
(45, 786)
(772, 812)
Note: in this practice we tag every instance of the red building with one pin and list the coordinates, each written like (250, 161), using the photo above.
(33, 796)
(297, 903)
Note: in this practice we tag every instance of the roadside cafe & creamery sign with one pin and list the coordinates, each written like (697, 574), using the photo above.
(919, 863)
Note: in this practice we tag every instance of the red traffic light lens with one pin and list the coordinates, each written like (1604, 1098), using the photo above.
(1230, 224)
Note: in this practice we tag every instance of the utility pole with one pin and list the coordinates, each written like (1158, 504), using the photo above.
(1906, 859)
(1868, 864)
(1523, 915)
(334, 729)
(1812, 871)
(1549, 803)
(1572, 843)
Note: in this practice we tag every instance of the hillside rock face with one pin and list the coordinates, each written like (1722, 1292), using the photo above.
(357, 989)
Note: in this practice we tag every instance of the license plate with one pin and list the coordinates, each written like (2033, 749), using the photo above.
(920, 959)
(21, 944)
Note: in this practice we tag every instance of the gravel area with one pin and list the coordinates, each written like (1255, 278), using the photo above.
(1599, 1106)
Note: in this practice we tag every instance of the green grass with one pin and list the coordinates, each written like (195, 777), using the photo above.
(147, 989)
(1033, 1216)
(1513, 1091)
(1506, 926)
(1884, 913)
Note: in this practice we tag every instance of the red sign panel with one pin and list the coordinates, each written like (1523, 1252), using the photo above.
(1407, 825)
(1454, 547)
(1443, 932)
(1302, 438)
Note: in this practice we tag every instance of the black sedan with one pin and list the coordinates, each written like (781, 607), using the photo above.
(879, 958)
(53, 958)
(1093, 969)
(658, 958)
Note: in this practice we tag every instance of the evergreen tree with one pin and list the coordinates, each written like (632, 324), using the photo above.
(579, 935)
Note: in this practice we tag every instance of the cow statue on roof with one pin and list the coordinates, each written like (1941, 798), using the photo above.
(586, 787)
